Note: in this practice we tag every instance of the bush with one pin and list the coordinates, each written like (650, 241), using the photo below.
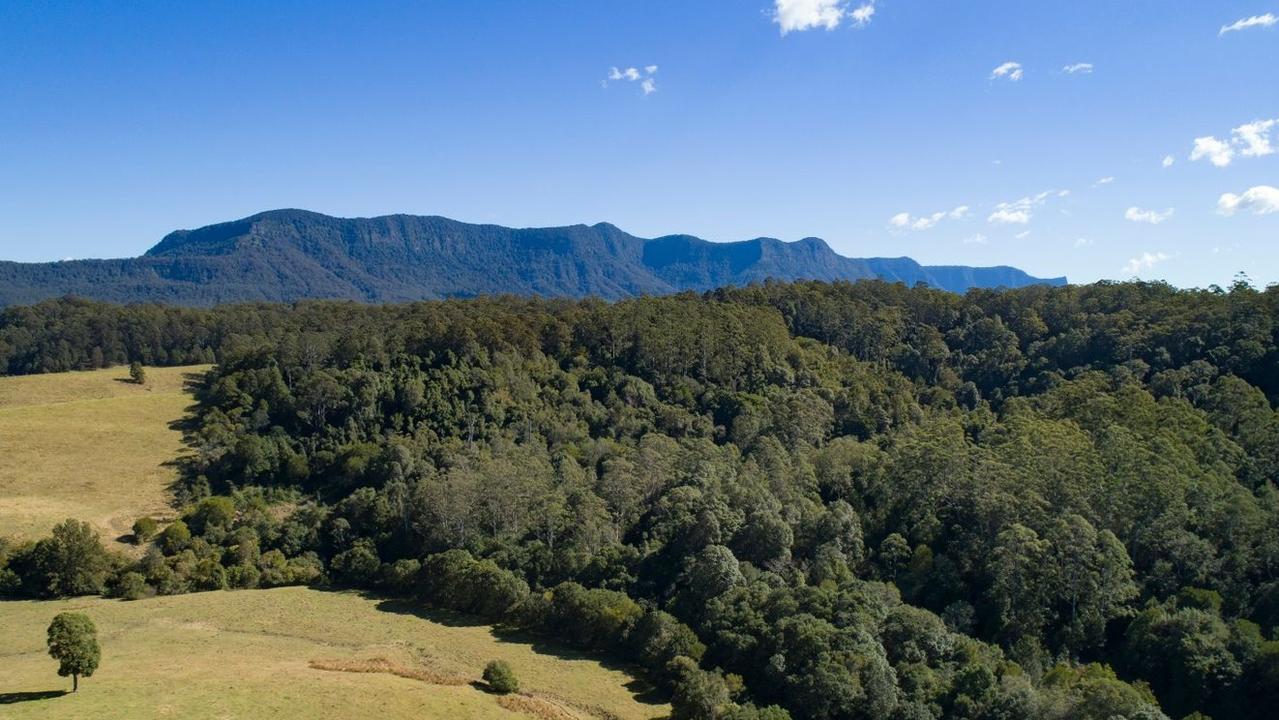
(357, 566)
(130, 586)
(243, 576)
(212, 512)
(400, 576)
(501, 678)
(176, 537)
(144, 529)
(455, 580)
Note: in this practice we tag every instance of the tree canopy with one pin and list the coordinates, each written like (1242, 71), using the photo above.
(833, 500)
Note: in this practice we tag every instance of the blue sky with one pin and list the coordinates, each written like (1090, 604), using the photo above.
(885, 132)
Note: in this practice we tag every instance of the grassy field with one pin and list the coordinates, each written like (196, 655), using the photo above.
(264, 654)
(89, 446)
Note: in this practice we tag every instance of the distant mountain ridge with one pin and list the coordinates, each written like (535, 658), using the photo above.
(288, 255)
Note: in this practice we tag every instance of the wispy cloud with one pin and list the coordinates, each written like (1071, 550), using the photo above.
(862, 14)
(1104, 181)
(1082, 242)
(1144, 261)
(1248, 140)
(647, 84)
(1260, 200)
(1009, 70)
(1078, 69)
(1168, 161)
(907, 221)
(977, 239)
(1153, 217)
(1019, 212)
(1261, 21)
(801, 15)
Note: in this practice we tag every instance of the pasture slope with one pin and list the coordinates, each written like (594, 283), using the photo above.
(297, 653)
(90, 446)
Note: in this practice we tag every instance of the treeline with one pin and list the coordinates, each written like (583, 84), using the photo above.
(844, 500)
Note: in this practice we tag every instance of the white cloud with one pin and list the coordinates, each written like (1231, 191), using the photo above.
(1255, 137)
(1007, 216)
(862, 14)
(1168, 161)
(1010, 70)
(631, 74)
(800, 15)
(1022, 235)
(1217, 152)
(927, 222)
(1154, 217)
(1020, 211)
(977, 239)
(1106, 180)
(1261, 200)
(1248, 140)
(1078, 68)
(1082, 242)
(1145, 261)
(1264, 21)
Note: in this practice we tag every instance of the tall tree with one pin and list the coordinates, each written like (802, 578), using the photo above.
(73, 642)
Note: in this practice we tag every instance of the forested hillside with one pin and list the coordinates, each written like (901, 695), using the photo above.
(828, 500)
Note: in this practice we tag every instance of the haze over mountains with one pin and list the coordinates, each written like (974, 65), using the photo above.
(287, 255)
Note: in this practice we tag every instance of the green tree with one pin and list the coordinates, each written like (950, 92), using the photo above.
(175, 537)
(144, 529)
(500, 677)
(73, 642)
(72, 561)
(137, 374)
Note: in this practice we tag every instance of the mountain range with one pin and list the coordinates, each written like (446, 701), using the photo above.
(287, 255)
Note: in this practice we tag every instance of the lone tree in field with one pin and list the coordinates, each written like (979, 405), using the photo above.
(73, 642)
(501, 678)
(136, 373)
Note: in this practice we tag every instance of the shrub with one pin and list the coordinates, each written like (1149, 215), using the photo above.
(501, 678)
(144, 529)
(215, 511)
(243, 576)
(400, 576)
(357, 566)
(176, 537)
(130, 586)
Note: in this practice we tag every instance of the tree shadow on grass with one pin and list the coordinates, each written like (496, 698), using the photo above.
(643, 691)
(19, 697)
(447, 618)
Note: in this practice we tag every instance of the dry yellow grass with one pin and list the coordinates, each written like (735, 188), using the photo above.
(87, 445)
(252, 654)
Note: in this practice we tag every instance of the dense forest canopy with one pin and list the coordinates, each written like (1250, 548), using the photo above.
(834, 500)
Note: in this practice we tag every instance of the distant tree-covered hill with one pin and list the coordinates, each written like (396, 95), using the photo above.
(287, 255)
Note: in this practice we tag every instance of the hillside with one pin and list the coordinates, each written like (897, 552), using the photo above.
(806, 500)
(259, 654)
(287, 255)
(90, 446)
